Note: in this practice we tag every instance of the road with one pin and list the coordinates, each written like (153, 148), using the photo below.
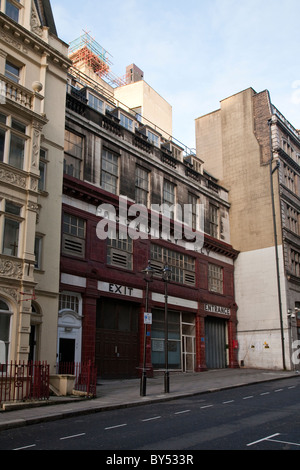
(255, 417)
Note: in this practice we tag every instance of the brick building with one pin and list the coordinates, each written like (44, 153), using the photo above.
(254, 151)
(118, 155)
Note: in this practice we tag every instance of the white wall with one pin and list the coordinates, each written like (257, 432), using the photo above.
(259, 333)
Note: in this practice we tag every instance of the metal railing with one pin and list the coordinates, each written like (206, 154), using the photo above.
(24, 381)
(85, 375)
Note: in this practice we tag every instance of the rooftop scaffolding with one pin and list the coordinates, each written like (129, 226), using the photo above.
(85, 50)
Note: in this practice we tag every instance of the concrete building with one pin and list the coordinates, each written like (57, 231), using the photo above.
(119, 152)
(33, 71)
(254, 152)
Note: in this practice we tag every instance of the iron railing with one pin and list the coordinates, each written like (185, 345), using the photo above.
(23, 381)
(85, 375)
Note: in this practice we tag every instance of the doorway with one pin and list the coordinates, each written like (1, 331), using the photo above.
(117, 339)
(66, 350)
(215, 343)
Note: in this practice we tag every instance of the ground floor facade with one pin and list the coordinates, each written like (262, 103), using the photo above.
(107, 325)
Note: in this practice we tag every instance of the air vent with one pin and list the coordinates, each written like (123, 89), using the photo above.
(73, 246)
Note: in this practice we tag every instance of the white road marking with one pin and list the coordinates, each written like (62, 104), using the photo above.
(26, 447)
(246, 398)
(206, 406)
(265, 393)
(180, 412)
(285, 442)
(263, 439)
(151, 419)
(229, 401)
(71, 437)
(114, 427)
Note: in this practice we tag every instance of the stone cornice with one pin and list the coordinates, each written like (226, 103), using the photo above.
(25, 40)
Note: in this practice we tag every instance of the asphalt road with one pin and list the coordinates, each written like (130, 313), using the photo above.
(262, 416)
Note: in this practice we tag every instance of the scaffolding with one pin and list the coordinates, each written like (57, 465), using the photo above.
(85, 50)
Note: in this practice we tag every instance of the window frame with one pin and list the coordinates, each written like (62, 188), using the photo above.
(110, 169)
(6, 312)
(73, 244)
(76, 158)
(215, 274)
(9, 217)
(13, 134)
(142, 191)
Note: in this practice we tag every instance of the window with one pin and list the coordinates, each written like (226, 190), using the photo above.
(215, 278)
(193, 201)
(109, 171)
(141, 186)
(12, 141)
(73, 154)
(11, 228)
(5, 316)
(295, 263)
(69, 302)
(169, 199)
(181, 265)
(73, 242)
(96, 103)
(153, 138)
(12, 72)
(292, 219)
(43, 167)
(126, 122)
(12, 9)
(289, 177)
(119, 252)
(38, 251)
(213, 221)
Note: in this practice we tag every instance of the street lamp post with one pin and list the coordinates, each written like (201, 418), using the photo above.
(148, 275)
(166, 276)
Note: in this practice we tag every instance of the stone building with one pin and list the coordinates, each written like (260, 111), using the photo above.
(33, 71)
(119, 152)
(254, 152)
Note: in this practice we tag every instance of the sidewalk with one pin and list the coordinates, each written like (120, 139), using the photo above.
(114, 394)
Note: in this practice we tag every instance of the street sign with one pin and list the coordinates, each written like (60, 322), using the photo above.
(147, 318)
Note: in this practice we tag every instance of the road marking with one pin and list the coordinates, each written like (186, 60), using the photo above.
(293, 386)
(206, 406)
(285, 442)
(151, 419)
(229, 401)
(265, 393)
(26, 447)
(71, 437)
(261, 440)
(246, 398)
(180, 412)
(278, 390)
(114, 427)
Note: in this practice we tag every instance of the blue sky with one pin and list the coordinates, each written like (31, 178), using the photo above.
(195, 53)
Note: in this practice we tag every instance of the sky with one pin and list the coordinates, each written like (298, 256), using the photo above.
(195, 53)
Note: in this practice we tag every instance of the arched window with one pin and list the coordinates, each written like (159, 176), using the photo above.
(5, 316)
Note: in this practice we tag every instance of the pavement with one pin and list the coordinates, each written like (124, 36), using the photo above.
(116, 394)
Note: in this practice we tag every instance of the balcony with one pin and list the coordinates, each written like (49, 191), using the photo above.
(20, 95)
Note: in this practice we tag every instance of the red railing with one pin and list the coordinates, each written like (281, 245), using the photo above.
(85, 375)
(23, 381)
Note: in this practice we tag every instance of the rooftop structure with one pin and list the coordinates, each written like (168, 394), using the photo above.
(85, 51)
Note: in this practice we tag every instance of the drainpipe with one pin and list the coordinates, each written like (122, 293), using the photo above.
(275, 241)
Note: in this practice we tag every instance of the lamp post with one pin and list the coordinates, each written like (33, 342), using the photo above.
(148, 275)
(166, 274)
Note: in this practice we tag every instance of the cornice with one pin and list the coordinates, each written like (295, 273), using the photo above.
(23, 40)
